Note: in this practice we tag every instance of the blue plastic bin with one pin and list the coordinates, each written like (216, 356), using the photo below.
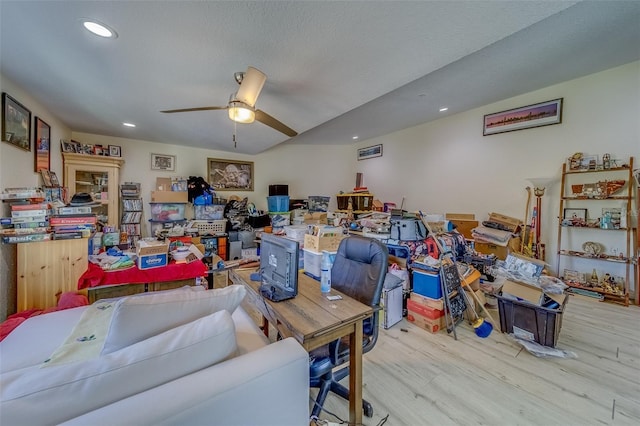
(278, 203)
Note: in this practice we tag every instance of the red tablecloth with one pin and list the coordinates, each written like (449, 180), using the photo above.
(95, 276)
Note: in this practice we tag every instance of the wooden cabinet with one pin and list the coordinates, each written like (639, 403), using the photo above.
(47, 268)
(110, 291)
(98, 176)
(595, 230)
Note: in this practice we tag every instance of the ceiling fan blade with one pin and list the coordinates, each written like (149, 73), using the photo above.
(265, 118)
(251, 85)
(209, 108)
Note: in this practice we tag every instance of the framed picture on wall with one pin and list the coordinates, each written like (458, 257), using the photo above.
(16, 123)
(526, 117)
(230, 175)
(163, 162)
(42, 142)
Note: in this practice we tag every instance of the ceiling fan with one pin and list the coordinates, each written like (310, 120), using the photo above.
(241, 105)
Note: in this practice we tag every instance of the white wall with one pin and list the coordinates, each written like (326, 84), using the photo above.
(448, 166)
(17, 165)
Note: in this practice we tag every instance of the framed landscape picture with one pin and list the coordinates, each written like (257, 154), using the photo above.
(536, 115)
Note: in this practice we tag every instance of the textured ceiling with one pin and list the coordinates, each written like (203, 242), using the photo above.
(334, 69)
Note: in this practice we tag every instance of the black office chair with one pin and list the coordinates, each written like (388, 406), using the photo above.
(358, 271)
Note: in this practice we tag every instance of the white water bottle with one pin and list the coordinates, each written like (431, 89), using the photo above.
(325, 273)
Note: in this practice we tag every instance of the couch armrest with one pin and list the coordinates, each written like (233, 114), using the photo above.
(268, 386)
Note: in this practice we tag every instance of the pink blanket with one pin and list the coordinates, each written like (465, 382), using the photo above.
(67, 300)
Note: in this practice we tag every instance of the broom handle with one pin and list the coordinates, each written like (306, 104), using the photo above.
(426, 224)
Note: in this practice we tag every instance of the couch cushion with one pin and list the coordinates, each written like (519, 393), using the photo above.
(34, 340)
(139, 317)
(58, 393)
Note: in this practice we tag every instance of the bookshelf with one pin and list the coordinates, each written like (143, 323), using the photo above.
(131, 212)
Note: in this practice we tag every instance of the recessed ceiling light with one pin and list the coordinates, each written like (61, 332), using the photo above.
(99, 28)
(129, 124)
(443, 109)
(354, 138)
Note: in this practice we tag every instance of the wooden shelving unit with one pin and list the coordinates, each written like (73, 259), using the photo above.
(597, 207)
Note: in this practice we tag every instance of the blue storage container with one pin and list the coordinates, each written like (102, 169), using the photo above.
(427, 284)
(278, 203)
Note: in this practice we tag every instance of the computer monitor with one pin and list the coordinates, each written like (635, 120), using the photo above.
(278, 267)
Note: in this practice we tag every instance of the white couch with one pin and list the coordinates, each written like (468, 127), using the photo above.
(251, 381)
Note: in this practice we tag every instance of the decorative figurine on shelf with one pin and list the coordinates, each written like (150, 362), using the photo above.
(606, 161)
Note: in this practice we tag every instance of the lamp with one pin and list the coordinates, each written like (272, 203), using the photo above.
(241, 112)
(539, 186)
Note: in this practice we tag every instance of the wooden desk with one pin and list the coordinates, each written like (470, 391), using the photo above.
(315, 321)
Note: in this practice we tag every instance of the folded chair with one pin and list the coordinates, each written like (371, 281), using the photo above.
(358, 271)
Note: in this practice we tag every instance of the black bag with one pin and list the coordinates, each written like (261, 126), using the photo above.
(408, 229)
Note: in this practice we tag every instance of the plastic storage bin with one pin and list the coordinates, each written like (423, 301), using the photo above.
(536, 323)
(167, 211)
(318, 203)
(427, 284)
(278, 203)
(209, 212)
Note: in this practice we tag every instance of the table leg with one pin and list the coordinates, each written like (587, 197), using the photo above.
(355, 375)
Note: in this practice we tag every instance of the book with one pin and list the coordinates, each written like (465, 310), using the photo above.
(29, 206)
(26, 219)
(34, 224)
(74, 210)
(27, 213)
(72, 220)
(69, 236)
(26, 238)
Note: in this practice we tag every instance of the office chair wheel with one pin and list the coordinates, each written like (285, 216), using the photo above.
(368, 409)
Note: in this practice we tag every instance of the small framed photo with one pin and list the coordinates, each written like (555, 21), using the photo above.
(589, 162)
(370, 152)
(114, 151)
(54, 179)
(97, 149)
(67, 146)
(46, 178)
(163, 162)
(575, 214)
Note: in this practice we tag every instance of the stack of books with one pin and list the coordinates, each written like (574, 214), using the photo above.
(28, 222)
(73, 222)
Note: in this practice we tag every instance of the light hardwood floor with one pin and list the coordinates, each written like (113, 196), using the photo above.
(418, 378)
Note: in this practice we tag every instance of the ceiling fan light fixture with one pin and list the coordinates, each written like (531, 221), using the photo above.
(241, 113)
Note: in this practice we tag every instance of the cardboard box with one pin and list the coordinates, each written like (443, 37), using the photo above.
(169, 196)
(152, 254)
(315, 218)
(424, 300)
(424, 310)
(511, 224)
(491, 248)
(326, 241)
(464, 223)
(431, 325)
(163, 184)
(529, 293)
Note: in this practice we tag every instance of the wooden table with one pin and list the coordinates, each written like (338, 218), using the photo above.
(315, 321)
